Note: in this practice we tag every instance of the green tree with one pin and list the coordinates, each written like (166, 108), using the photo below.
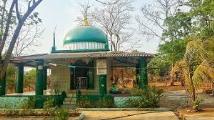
(29, 79)
(198, 64)
(169, 53)
(11, 77)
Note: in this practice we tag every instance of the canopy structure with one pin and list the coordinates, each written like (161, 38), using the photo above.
(105, 54)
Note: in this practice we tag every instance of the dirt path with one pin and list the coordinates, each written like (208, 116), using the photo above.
(178, 99)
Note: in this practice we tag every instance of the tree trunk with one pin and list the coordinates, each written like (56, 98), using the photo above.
(192, 87)
(21, 19)
(171, 76)
(2, 80)
(7, 27)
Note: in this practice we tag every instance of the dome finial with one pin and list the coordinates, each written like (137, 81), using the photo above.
(85, 21)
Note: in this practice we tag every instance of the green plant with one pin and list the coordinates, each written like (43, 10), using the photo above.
(61, 114)
(49, 103)
(84, 102)
(136, 92)
(149, 98)
(105, 102)
(196, 104)
(29, 104)
(91, 101)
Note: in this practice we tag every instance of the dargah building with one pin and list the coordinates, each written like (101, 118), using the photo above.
(85, 66)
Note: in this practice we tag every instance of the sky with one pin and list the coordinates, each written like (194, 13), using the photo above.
(61, 14)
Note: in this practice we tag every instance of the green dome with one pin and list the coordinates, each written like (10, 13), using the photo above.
(86, 38)
(85, 34)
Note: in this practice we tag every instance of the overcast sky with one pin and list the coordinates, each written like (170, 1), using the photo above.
(62, 15)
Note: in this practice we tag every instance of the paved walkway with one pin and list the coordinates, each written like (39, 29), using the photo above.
(198, 118)
(129, 115)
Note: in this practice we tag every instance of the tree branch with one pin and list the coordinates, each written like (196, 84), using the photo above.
(5, 34)
(17, 11)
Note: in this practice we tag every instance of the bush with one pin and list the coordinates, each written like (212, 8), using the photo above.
(61, 114)
(105, 102)
(84, 102)
(93, 101)
(13, 102)
(149, 98)
(29, 104)
(49, 103)
(197, 104)
(136, 92)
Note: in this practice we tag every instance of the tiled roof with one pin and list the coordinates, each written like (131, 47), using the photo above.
(82, 55)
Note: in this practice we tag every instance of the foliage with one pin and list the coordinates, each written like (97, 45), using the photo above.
(169, 53)
(136, 92)
(85, 103)
(105, 103)
(158, 66)
(13, 102)
(29, 104)
(196, 104)
(149, 98)
(61, 114)
(173, 50)
(198, 67)
(114, 89)
(95, 101)
(29, 78)
(49, 103)
(11, 75)
(177, 72)
(178, 26)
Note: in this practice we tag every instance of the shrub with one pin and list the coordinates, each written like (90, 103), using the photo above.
(13, 102)
(29, 104)
(61, 114)
(197, 104)
(49, 103)
(136, 92)
(84, 102)
(93, 101)
(149, 98)
(105, 102)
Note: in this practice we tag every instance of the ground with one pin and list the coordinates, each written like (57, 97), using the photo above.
(205, 114)
(129, 115)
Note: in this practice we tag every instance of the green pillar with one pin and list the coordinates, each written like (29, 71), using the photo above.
(137, 75)
(91, 75)
(39, 78)
(72, 77)
(102, 84)
(39, 84)
(143, 80)
(19, 78)
(90, 79)
(45, 77)
(3, 86)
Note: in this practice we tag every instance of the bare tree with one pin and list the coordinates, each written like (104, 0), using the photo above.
(151, 20)
(27, 40)
(108, 2)
(29, 34)
(21, 19)
(84, 9)
(114, 17)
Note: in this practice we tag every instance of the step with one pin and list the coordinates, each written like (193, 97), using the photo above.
(70, 101)
(71, 95)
